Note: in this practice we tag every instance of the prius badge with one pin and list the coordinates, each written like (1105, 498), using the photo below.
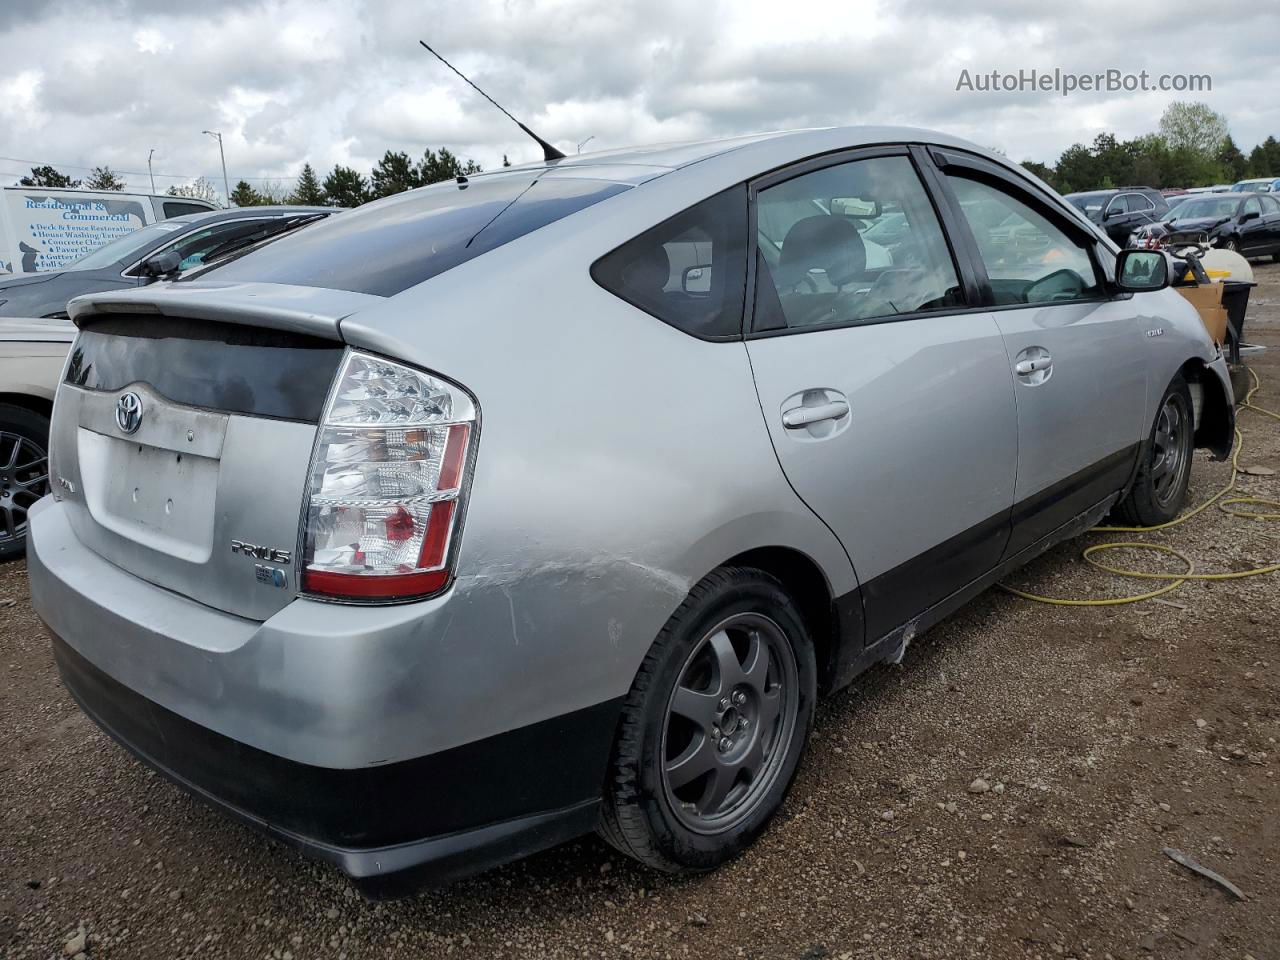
(129, 412)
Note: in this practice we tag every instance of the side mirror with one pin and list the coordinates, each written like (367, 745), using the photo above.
(161, 265)
(1140, 271)
(864, 207)
(1113, 212)
(1250, 215)
(696, 279)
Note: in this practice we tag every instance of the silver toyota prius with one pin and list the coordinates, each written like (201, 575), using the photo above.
(548, 500)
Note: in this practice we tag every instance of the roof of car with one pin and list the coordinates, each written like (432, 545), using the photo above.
(638, 163)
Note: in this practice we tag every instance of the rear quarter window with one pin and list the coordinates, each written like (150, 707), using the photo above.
(689, 271)
(390, 245)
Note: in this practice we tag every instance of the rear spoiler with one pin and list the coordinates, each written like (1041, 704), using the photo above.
(316, 311)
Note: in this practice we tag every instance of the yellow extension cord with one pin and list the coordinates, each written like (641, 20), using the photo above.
(1229, 505)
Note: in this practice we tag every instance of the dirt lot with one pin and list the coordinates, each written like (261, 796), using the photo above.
(1106, 734)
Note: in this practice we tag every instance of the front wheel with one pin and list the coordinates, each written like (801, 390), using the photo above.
(1160, 488)
(1232, 246)
(24, 473)
(714, 726)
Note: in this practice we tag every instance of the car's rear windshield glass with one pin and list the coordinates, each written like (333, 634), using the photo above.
(390, 245)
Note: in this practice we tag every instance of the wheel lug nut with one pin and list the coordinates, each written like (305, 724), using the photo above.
(715, 733)
(725, 744)
(742, 724)
(724, 703)
(739, 698)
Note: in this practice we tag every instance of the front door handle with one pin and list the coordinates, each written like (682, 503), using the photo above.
(1024, 368)
(803, 416)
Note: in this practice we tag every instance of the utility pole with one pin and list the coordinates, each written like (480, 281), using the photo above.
(225, 182)
(149, 173)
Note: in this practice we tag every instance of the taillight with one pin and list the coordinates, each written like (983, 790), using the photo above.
(388, 479)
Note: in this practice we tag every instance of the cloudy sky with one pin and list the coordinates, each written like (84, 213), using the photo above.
(86, 82)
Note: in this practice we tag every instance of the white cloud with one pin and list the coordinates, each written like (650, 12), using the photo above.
(87, 82)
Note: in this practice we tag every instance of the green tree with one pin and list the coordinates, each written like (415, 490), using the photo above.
(1076, 169)
(438, 167)
(1264, 159)
(104, 178)
(245, 196)
(394, 173)
(1233, 162)
(308, 192)
(1193, 126)
(344, 187)
(47, 176)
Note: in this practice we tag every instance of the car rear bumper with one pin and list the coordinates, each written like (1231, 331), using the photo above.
(424, 818)
(313, 807)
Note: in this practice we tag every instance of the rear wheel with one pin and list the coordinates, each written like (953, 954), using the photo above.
(24, 473)
(714, 726)
(1160, 489)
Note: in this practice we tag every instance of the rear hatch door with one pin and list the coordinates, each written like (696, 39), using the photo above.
(180, 444)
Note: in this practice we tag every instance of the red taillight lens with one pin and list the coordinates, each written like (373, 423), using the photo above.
(387, 478)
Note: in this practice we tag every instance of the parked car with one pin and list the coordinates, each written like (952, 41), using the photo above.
(1248, 223)
(461, 524)
(147, 254)
(46, 228)
(1255, 185)
(1120, 212)
(32, 354)
(33, 347)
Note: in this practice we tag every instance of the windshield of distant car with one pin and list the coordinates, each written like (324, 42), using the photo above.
(124, 248)
(1198, 208)
(1090, 204)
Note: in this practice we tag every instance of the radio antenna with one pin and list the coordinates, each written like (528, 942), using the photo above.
(549, 152)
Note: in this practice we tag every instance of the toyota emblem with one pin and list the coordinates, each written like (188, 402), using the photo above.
(129, 412)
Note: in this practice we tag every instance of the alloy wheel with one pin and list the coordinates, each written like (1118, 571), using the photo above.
(1169, 457)
(24, 479)
(729, 724)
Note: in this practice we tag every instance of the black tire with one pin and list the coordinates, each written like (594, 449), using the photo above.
(1160, 489)
(1232, 246)
(639, 815)
(24, 473)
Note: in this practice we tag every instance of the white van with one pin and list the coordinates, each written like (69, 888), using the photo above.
(45, 228)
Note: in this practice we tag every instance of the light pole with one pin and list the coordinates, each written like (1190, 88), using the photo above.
(585, 142)
(226, 184)
(149, 173)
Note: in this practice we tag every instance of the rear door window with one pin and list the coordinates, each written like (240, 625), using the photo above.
(690, 270)
(850, 243)
(390, 245)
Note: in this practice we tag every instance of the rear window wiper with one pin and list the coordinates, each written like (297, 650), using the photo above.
(237, 247)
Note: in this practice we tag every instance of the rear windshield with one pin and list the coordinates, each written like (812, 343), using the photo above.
(390, 245)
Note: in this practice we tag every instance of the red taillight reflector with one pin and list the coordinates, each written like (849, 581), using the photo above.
(359, 587)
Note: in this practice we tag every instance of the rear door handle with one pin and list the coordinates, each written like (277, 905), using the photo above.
(1024, 368)
(803, 416)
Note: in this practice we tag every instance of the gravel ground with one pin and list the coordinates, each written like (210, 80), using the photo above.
(1104, 734)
